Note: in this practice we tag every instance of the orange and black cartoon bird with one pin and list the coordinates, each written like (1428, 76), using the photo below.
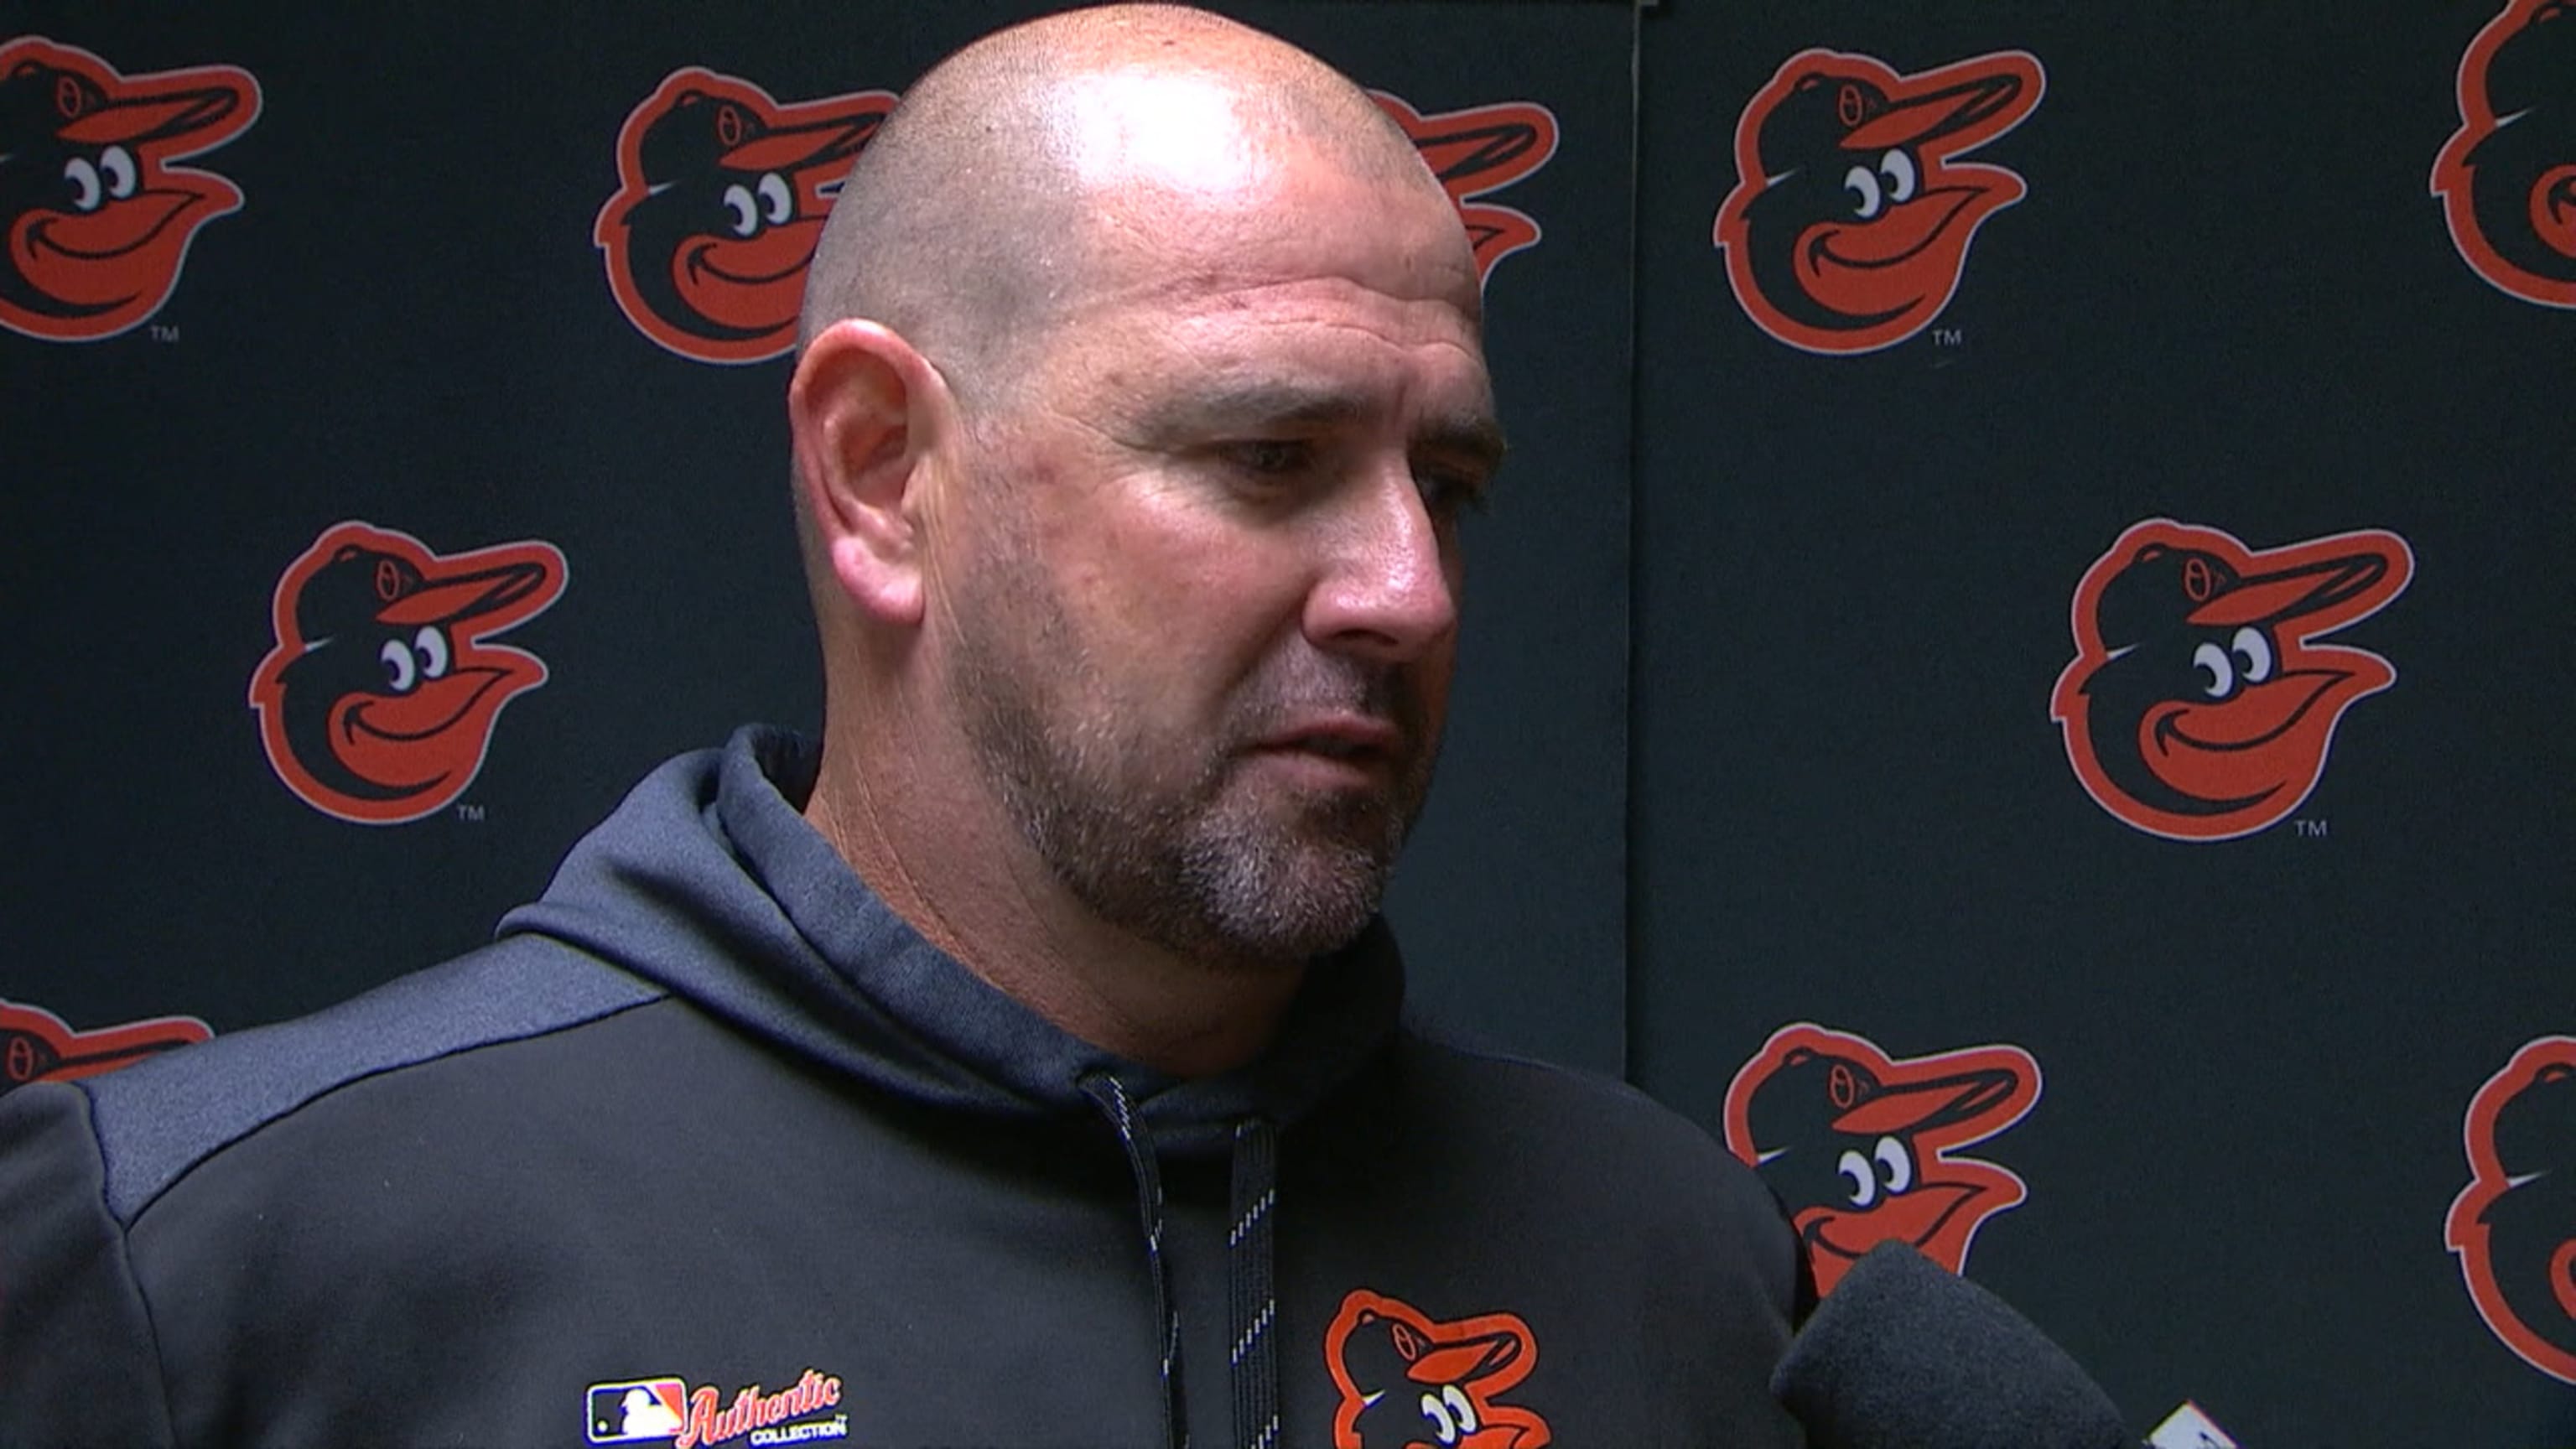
(2514, 1225)
(1410, 1383)
(95, 214)
(378, 701)
(1476, 152)
(2507, 177)
(1849, 224)
(2198, 706)
(1861, 1147)
(722, 198)
(38, 1046)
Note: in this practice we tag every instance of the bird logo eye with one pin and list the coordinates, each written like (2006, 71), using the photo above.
(1898, 168)
(1460, 1408)
(401, 670)
(1895, 1164)
(2219, 666)
(777, 202)
(1450, 1413)
(1858, 1171)
(1862, 183)
(116, 164)
(746, 212)
(431, 646)
(83, 175)
(2256, 651)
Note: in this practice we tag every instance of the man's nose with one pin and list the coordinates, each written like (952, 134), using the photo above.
(1387, 592)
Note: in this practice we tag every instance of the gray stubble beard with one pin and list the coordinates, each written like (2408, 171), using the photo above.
(1200, 875)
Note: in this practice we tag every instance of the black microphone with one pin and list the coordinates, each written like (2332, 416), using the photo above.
(1905, 1353)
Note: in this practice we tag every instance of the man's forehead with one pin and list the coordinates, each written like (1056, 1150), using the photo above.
(1177, 175)
(1328, 324)
(1182, 132)
(1311, 242)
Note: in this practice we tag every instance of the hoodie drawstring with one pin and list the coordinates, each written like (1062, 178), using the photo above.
(1252, 1359)
(1111, 1095)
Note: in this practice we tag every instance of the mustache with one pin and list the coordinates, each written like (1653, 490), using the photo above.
(1285, 697)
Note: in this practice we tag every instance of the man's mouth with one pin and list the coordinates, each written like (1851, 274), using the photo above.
(1339, 752)
(1339, 737)
(1332, 748)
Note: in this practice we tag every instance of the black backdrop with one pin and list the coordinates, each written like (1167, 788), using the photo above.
(1815, 779)
(2229, 300)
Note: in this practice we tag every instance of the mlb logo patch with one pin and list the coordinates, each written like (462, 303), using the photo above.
(640, 1411)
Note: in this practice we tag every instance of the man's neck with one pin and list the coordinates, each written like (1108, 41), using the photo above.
(982, 896)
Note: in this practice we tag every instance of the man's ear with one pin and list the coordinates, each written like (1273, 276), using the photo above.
(868, 415)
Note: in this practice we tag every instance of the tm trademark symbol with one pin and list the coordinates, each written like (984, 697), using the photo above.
(165, 332)
(1949, 337)
(2309, 829)
(473, 814)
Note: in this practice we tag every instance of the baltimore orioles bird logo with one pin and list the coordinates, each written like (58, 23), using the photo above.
(721, 196)
(2514, 1225)
(1410, 1383)
(96, 212)
(1849, 224)
(1478, 151)
(38, 1046)
(2197, 707)
(2507, 177)
(378, 701)
(1859, 1144)
(723, 193)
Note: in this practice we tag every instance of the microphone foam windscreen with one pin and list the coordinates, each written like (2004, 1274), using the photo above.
(1903, 1352)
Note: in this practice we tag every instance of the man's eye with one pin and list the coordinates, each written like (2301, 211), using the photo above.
(1270, 457)
(1449, 491)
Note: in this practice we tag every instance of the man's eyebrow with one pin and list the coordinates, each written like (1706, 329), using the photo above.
(1470, 433)
(1225, 407)
(1474, 436)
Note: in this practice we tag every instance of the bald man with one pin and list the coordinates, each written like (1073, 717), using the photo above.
(1019, 1064)
(1131, 478)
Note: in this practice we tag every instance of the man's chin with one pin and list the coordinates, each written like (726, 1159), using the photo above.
(1288, 901)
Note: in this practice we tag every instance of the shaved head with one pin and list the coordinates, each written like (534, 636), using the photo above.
(979, 213)
(1142, 386)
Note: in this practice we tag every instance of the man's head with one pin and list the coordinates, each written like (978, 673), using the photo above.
(1131, 496)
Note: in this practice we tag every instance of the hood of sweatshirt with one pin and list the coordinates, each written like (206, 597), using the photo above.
(707, 880)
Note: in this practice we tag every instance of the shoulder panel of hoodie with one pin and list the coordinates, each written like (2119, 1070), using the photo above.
(158, 1119)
